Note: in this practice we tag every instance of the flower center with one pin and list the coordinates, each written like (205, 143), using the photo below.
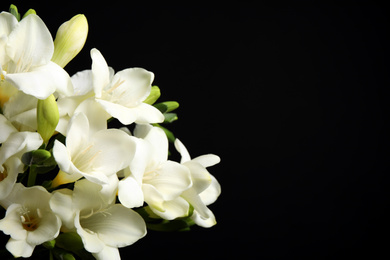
(30, 219)
(85, 158)
(3, 174)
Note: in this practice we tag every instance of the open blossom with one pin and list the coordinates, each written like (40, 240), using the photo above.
(14, 146)
(28, 220)
(102, 226)
(120, 94)
(153, 178)
(27, 53)
(93, 155)
(205, 189)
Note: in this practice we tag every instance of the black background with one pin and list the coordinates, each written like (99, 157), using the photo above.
(291, 97)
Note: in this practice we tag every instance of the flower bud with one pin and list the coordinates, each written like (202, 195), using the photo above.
(70, 39)
(47, 117)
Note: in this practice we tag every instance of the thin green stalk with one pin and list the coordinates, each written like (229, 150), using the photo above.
(32, 175)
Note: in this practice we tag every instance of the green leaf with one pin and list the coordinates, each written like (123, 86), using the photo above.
(70, 240)
(166, 106)
(155, 93)
(170, 117)
(14, 11)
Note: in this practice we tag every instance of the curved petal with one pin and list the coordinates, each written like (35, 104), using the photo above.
(42, 81)
(7, 24)
(61, 204)
(108, 252)
(201, 178)
(19, 248)
(131, 86)
(11, 223)
(211, 194)
(90, 239)
(170, 179)
(125, 115)
(19, 142)
(100, 72)
(48, 229)
(172, 209)
(202, 216)
(147, 114)
(82, 82)
(13, 166)
(114, 150)
(30, 43)
(185, 155)
(6, 128)
(77, 133)
(207, 160)
(130, 193)
(117, 226)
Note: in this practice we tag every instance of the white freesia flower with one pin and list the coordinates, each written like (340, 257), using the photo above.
(103, 227)
(120, 94)
(153, 178)
(21, 110)
(28, 220)
(91, 153)
(205, 189)
(26, 59)
(11, 152)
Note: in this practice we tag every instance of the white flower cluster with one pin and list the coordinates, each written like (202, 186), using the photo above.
(105, 186)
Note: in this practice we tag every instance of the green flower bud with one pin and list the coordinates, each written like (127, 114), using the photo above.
(47, 117)
(153, 96)
(70, 39)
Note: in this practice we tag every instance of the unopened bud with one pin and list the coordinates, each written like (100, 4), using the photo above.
(70, 39)
(47, 117)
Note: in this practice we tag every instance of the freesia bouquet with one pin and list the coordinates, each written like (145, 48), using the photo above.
(70, 184)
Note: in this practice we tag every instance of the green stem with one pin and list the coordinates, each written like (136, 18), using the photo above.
(32, 175)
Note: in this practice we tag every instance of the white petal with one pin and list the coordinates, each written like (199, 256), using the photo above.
(87, 197)
(7, 24)
(42, 81)
(116, 149)
(207, 160)
(48, 229)
(201, 178)
(202, 216)
(97, 116)
(82, 82)
(13, 167)
(11, 223)
(211, 194)
(170, 179)
(132, 86)
(30, 42)
(147, 114)
(100, 72)
(91, 241)
(172, 209)
(61, 204)
(108, 253)
(185, 155)
(123, 114)
(116, 226)
(19, 142)
(157, 139)
(130, 193)
(6, 128)
(77, 133)
(19, 248)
